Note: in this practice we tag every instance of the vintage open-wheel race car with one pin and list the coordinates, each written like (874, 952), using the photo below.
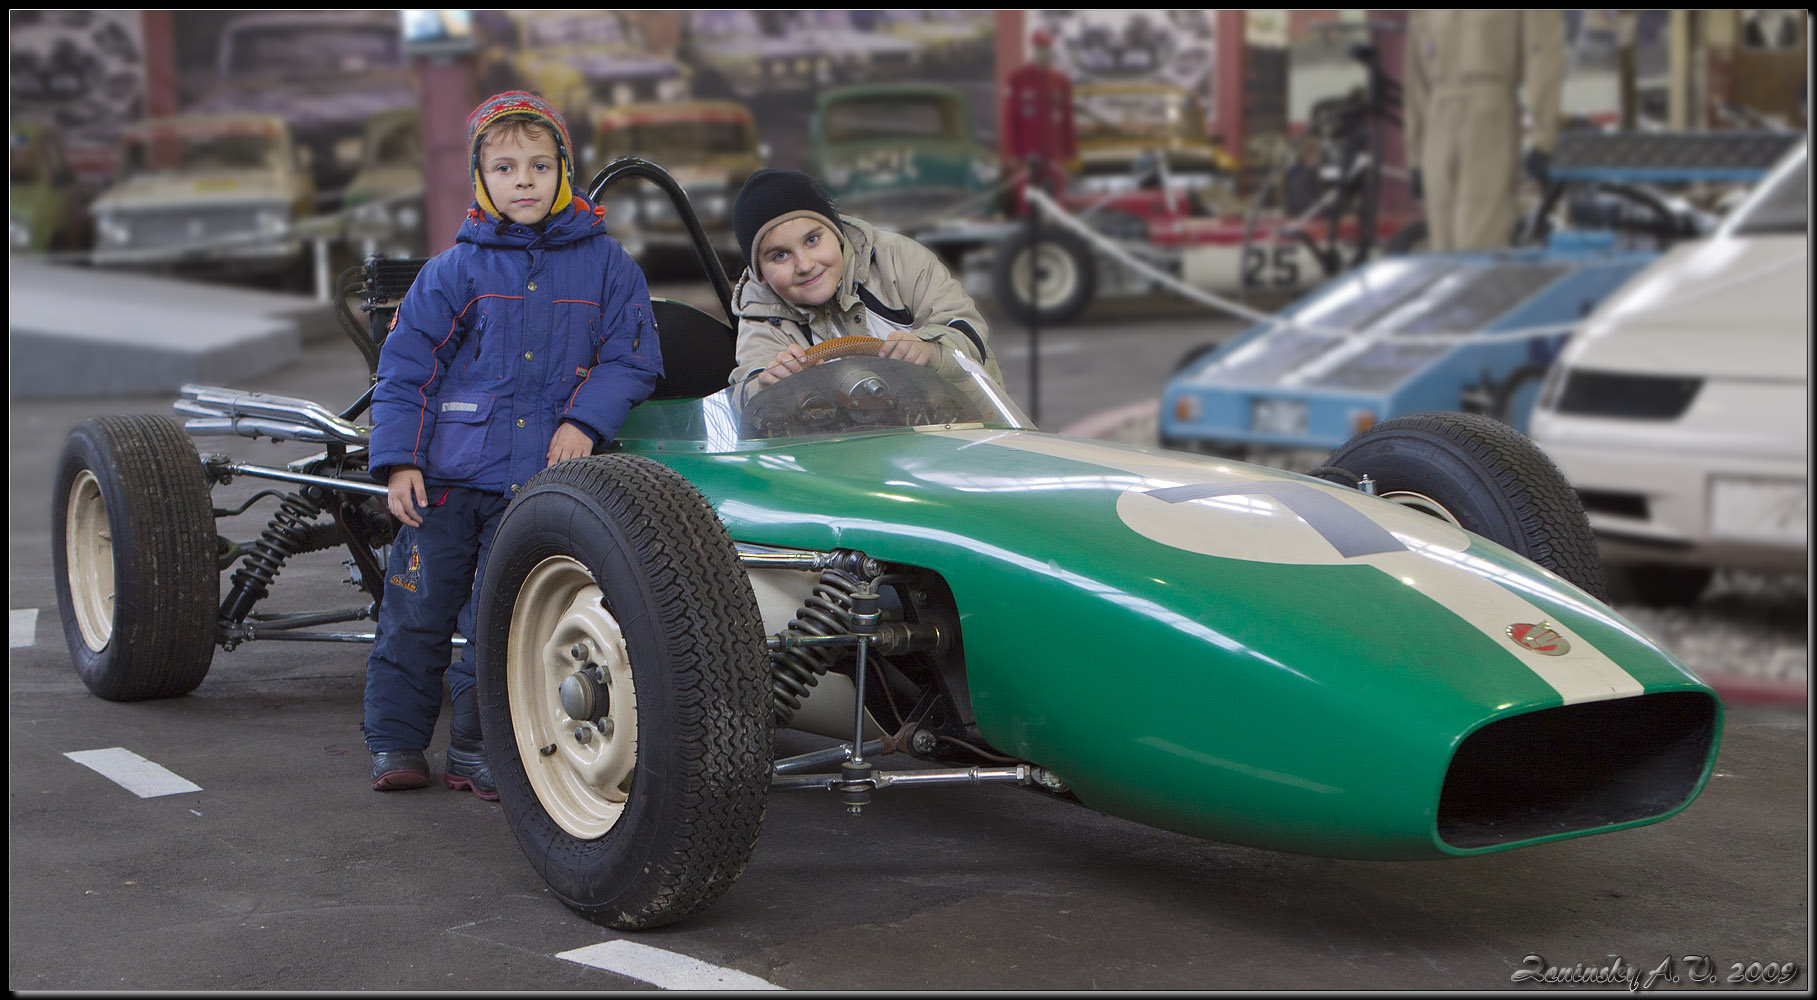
(1403, 656)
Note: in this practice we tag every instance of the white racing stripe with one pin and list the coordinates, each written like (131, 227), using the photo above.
(1584, 673)
(22, 628)
(1233, 511)
(133, 772)
(664, 969)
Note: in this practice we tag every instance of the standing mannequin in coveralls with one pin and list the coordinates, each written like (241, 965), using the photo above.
(1038, 117)
(1464, 75)
(524, 344)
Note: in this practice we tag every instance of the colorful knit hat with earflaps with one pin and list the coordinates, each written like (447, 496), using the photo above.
(519, 103)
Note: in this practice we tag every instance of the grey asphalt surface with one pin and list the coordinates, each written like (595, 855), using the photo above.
(285, 871)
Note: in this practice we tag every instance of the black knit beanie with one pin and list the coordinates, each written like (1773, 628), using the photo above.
(772, 197)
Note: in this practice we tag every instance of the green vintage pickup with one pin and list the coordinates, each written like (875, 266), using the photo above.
(898, 154)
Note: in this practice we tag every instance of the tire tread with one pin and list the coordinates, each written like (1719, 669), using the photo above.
(1553, 528)
(720, 681)
(167, 585)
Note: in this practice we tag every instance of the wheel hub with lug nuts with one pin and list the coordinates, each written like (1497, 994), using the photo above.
(572, 698)
(583, 696)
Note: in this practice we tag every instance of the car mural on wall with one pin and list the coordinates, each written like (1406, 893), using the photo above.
(947, 39)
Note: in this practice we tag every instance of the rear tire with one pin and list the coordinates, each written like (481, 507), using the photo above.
(133, 546)
(636, 786)
(1486, 477)
(1047, 280)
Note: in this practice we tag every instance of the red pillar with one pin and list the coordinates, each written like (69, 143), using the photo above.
(445, 93)
(160, 48)
(1229, 48)
(1012, 53)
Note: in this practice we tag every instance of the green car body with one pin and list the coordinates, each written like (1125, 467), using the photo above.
(1233, 652)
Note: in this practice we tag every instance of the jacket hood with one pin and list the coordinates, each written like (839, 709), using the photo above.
(751, 297)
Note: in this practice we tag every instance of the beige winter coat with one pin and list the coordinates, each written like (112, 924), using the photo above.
(890, 283)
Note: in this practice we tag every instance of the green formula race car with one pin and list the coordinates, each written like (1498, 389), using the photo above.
(1403, 657)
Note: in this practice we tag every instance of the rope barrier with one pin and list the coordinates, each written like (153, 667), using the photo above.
(1113, 249)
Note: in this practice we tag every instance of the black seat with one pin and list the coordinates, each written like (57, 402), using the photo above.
(697, 356)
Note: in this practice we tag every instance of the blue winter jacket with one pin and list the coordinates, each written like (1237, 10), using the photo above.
(503, 337)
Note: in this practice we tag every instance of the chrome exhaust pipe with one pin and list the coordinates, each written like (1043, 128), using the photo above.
(227, 412)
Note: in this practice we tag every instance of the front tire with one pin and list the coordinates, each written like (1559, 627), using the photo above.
(1485, 477)
(133, 546)
(634, 775)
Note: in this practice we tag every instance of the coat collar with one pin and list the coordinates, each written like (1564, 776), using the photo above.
(581, 221)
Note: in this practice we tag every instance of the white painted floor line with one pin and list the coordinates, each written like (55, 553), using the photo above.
(133, 772)
(661, 968)
(22, 628)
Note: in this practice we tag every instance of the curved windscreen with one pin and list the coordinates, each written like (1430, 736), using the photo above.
(844, 396)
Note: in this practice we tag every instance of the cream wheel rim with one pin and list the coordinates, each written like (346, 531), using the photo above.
(1422, 503)
(562, 634)
(88, 544)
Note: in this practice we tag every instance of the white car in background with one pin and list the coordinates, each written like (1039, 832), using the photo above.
(1680, 409)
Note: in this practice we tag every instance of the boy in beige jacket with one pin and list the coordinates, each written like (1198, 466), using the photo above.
(814, 275)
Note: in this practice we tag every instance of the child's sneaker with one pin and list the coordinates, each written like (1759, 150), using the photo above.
(467, 771)
(394, 770)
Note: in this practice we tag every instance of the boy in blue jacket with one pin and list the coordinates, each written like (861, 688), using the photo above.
(524, 344)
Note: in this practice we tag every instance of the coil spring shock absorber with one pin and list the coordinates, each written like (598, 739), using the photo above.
(288, 533)
(827, 611)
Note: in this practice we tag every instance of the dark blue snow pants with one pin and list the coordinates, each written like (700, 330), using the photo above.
(430, 591)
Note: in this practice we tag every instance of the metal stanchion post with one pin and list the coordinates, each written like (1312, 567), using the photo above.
(1035, 178)
(321, 269)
